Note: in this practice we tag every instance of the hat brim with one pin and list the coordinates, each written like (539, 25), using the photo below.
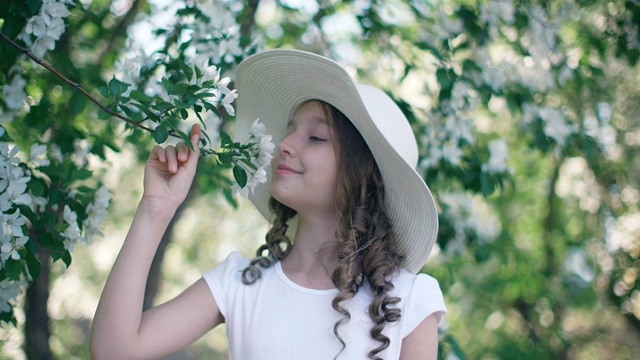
(272, 84)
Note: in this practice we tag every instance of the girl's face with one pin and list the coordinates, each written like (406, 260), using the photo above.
(305, 167)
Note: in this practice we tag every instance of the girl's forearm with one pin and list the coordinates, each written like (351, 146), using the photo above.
(116, 325)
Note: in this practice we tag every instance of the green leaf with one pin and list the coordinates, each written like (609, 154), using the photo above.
(225, 139)
(13, 268)
(223, 158)
(117, 87)
(38, 186)
(486, 185)
(180, 88)
(167, 85)
(240, 175)
(80, 174)
(139, 96)
(184, 114)
(103, 90)
(56, 196)
(66, 257)
(160, 134)
(228, 195)
(33, 265)
(186, 69)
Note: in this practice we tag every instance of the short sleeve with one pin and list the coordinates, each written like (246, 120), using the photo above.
(424, 299)
(225, 278)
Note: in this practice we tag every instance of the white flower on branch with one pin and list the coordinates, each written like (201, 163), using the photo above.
(494, 12)
(43, 30)
(13, 180)
(82, 149)
(9, 290)
(556, 126)
(498, 156)
(226, 96)
(13, 92)
(261, 155)
(96, 214)
(12, 223)
(39, 155)
(452, 153)
(12, 238)
(71, 233)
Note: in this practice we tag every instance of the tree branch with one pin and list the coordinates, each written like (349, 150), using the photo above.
(28, 53)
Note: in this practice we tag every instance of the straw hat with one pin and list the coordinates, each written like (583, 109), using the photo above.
(272, 84)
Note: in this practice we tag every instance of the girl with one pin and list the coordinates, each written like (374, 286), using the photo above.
(352, 224)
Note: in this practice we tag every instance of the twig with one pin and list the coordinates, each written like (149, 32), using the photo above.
(75, 85)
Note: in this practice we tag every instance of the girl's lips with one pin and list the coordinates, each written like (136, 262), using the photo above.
(282, 169)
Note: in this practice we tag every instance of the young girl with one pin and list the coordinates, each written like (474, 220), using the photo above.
(352, 222)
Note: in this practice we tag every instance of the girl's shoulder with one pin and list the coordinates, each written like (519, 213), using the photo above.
(420, 296)
(405, 281)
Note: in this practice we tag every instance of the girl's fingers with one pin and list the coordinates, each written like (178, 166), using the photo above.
(174, 156)
(183, 152)
(158, 153)
(195, 138)
(172, 161)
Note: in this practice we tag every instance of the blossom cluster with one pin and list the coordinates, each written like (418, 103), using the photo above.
(218, 39)
(468, 215)
(44, 29)
(221, 92)
(40, 34)
(15, 175)
(96, 215)
(261, 155)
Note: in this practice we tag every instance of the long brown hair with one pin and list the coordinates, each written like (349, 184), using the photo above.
(365, 238)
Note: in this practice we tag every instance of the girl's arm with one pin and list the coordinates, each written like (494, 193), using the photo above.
(120, 329)
(422, 342)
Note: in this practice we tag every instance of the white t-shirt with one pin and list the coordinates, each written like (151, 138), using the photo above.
(276, 318)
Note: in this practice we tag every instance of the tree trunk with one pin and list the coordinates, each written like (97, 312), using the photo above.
(36, 329)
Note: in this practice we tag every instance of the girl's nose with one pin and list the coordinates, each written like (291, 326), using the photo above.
(286, 146)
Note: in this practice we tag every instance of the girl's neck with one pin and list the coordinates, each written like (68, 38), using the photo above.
(314, 254)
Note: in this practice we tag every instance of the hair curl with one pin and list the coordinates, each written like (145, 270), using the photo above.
(365, 239)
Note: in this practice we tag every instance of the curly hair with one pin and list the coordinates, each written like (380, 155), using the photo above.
(365, 239)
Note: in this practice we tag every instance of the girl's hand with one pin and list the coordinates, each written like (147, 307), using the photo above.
(169, 172)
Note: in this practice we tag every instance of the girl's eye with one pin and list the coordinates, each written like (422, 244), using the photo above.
(316, 139)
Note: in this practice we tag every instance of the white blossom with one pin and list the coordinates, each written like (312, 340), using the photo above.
(96, 214)
(55, 153)
(12, 223)
(45, 28)
(262, 153)
(39, 155)
(71, 233)
(459, 95)
(82, 149)
(466, 212)
(555, 125)
(498, 156)
(13, 184)
(434, 155)
(218, 39)
(493, 12)
(9, 290)
(13, 92)
(446, 27)
(452, 153)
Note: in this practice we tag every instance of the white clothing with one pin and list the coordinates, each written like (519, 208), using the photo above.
(276, 318)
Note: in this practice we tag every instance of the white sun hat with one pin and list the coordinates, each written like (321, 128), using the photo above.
(273, 84)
